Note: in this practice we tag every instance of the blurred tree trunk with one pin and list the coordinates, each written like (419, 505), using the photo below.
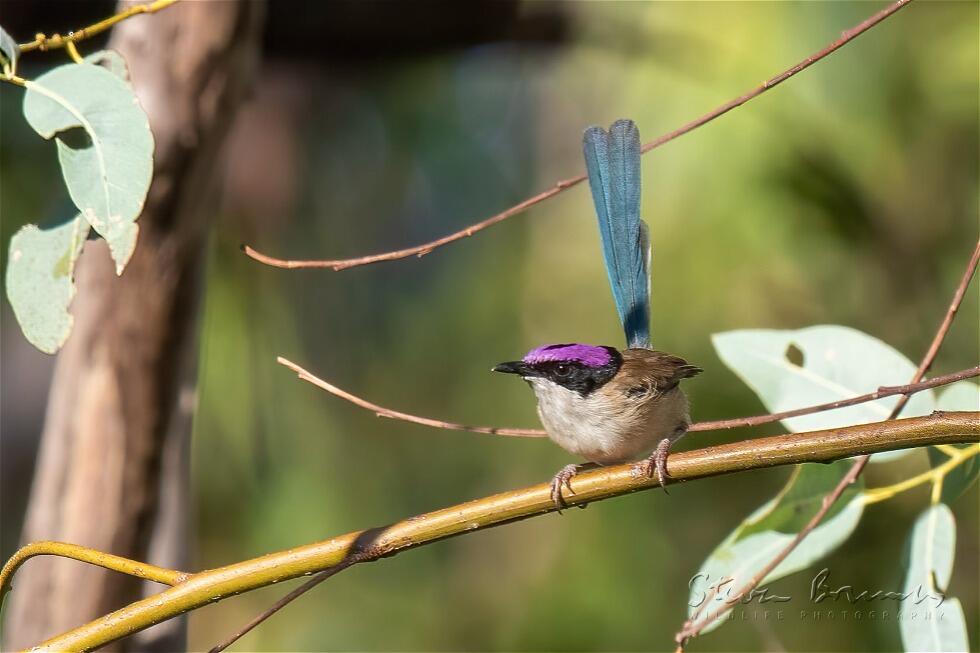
(112, 469)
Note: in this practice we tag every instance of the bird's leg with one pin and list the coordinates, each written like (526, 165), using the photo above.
(657, 462)
(564, 477)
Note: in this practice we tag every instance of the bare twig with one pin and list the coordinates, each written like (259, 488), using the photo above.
(880, 393)
(289, 598)
(381, 411)
(604, 483)
(693, 627)
(421, 250)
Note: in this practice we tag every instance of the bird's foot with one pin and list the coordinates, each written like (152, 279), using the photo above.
(564, 478)
(657, 463)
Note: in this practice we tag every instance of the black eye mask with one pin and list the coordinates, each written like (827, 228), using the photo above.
(579, 377)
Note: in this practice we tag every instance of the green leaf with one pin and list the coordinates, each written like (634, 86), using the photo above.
(112, 61)
(767, 531)
(104, 145)
(40, 283)
(931, 621)
(9, 51)
(964, 395)
(837, 363)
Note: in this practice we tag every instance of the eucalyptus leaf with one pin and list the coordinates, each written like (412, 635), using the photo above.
(40, 283)
(112, 61)
(964, 395)
(768, 530)
(104, 146)
(837, 363)
(932, 622)
(9, 51)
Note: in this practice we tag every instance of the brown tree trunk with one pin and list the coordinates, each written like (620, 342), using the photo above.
(112, 467)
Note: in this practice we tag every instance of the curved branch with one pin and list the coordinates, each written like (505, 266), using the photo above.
(108, 561)
(880, 393)
(604, 483)
(421, 250)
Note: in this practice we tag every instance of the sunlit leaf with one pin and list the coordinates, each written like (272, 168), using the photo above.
(964, 395)
(9, 51)
(104, 146)
(931, 621)
(40, 286)
(767, 531)
(837, 363)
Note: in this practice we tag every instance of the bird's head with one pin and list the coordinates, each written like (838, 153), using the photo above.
(578, 367)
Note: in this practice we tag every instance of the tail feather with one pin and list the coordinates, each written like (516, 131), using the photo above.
(613, 162)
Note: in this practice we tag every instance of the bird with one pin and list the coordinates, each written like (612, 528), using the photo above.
(606, 405)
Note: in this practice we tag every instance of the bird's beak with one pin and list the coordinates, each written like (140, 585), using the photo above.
(512, 367)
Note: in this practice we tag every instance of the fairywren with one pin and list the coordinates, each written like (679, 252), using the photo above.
(606, 405)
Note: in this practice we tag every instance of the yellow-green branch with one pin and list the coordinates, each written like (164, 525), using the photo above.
(216, 584)
(934, 476)
(92, 557)
(43, 42)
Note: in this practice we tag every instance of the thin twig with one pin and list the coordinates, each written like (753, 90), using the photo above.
(421, 250)
(289, 598)
(43, 42)
(216, 584)
(880, 393)
(693, 627)
(381, 411)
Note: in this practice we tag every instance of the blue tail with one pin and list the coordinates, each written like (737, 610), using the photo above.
(613, 162)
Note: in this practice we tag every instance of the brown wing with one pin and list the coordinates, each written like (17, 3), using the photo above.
(655, 370)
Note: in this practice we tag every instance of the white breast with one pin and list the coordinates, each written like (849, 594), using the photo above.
(605, 431)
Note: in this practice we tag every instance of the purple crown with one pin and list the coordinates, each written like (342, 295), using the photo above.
(590, 355)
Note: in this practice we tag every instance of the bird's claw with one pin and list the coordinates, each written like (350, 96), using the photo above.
(656, 464)
(563, 477)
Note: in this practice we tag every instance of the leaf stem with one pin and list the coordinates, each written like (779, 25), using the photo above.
(934, 475)
(73, 52)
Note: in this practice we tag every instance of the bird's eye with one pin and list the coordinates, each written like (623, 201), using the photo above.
(562, 370)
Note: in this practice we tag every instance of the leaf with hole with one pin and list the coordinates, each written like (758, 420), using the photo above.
(104, 146)
(964, 395)
(820, 364)
(40, 283)
(768, 530)
(933, 621)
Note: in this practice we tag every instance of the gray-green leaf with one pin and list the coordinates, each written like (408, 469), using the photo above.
(9, 51)
(104, 145)
(111, 61)
(931, 621)
(964, 395)
(39, 280)
(838, 363)
(767, 531)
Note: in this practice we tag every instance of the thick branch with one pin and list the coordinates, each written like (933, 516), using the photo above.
(818, 446)
(421, 250)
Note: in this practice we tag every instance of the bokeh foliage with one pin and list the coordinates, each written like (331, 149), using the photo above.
(848, 195)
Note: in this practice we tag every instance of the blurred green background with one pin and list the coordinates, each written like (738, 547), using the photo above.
(849, 195)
